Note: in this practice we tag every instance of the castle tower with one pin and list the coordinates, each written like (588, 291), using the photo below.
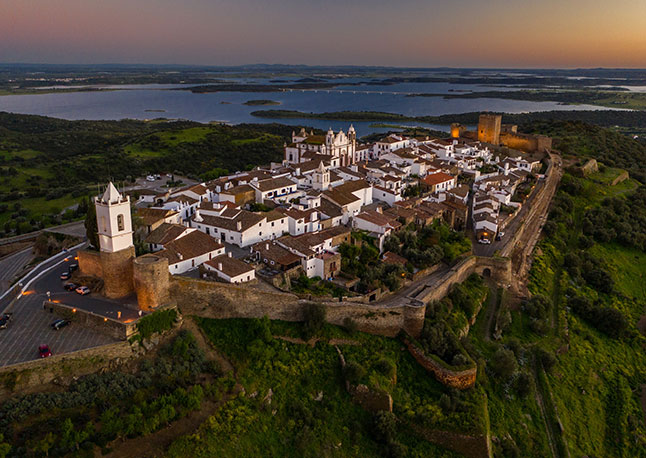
(115, 239)
(321, 178)
(489, 126)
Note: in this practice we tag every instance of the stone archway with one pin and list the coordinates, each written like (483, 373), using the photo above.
(486, 272)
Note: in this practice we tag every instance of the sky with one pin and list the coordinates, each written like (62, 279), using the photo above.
(419, 33)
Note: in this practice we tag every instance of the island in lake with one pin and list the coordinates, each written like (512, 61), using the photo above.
(261, 102)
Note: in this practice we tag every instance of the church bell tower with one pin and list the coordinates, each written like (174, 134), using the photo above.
(113, 220)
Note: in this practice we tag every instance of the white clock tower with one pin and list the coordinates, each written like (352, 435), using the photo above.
(113, 220)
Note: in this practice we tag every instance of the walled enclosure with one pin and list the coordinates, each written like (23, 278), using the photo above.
(151, 279)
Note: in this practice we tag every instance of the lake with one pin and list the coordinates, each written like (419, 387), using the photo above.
(136, 101)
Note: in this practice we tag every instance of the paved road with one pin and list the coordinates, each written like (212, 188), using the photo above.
(12, 265)
(30, 324)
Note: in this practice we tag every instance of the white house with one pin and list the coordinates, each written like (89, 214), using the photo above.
(230, 269)
(190, 251)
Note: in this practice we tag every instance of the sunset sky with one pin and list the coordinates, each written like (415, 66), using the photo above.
(423, 33)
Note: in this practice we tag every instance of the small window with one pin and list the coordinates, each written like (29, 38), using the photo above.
(120, 223)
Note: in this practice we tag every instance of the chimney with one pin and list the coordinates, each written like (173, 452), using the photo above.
(229, 254)
(506, 168)
(219, 266)
(239, 226)
(379, 210)
(298, 170)
(267, 246)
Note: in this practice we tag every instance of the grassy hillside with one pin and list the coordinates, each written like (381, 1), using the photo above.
(47, 164)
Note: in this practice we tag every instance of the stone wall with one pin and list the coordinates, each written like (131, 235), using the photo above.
(117, 272)
(526, 142)
(90, 264)
(36, 373)
(460, 380)
(109, 326)
(219, 300)
(457, 274)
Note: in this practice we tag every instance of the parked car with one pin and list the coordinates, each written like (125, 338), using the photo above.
(72, 267)
(70, 286)
(150, 178)
(484, 241)
(83, 290)
(44, 351)
(4, 320)
(65, 276)
(56, 325)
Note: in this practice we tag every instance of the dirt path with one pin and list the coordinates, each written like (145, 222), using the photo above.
(313, 340)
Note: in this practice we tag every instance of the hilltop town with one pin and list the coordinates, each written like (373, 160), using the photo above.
(330, 185)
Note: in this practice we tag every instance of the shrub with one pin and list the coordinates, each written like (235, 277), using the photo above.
(546, 358)
(158, 321)
(314, 317)
(524, 384)
(354, 372)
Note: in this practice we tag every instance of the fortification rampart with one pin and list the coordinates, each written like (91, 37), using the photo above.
(36, 373)
(90, 263)
(220, 300)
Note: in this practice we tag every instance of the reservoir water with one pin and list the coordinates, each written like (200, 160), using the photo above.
(174, 102)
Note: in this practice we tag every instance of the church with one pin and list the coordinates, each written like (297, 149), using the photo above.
(115, 263)
(305, 146)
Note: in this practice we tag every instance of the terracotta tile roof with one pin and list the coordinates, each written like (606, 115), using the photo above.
(165, 233)
(246, 218)
(240, 189)
(231, 267)
(273, 252)
(273, 183)
(379, 219)
(437, 178)
(150, 216)
(393, 258)
(190, 246)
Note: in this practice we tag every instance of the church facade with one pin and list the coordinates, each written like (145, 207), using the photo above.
(339, 146)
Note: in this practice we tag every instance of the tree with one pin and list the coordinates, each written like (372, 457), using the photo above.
(91, 227)
(504, 363)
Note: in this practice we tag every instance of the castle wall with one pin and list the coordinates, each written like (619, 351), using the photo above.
(118, 272)
(219, 300)
(151, 281)
(526, 142)
(90, 263)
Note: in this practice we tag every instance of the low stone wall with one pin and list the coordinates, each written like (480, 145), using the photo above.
(34, 374)
(476, 446)
(219, 300)
(109, 326)
(460, 380)
(457, 274)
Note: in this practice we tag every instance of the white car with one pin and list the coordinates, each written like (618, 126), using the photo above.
(150, 178)
(484, 241)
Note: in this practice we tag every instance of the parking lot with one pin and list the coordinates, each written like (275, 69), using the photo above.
(30, 323)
